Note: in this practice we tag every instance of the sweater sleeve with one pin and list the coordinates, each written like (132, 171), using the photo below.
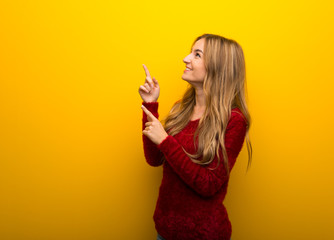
(204, 181)
(152, 153)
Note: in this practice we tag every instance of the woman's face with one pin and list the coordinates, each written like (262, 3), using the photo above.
(195, 69)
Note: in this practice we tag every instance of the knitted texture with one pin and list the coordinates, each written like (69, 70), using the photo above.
(190, 202)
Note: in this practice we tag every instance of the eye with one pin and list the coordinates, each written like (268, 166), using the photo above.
(197, 54)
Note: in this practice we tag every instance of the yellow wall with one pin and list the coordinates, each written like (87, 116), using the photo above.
(71, 158)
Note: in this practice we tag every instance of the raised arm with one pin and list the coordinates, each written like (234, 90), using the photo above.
(204, 181)
(149, 92)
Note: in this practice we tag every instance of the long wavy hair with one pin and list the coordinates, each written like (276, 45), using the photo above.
(224, 87)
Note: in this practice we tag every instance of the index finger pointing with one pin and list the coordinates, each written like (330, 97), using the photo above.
(146, 71)
(148, 113)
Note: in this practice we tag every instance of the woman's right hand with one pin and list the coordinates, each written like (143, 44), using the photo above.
(150, 90)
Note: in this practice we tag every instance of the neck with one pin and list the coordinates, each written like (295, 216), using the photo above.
(200, 97)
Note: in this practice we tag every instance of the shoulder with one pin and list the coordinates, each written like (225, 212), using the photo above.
(237, 117)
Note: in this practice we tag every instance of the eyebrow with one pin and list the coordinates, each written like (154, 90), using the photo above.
(198, 50)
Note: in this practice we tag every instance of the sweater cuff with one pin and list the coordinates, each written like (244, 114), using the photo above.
(163, 146)
(151, 106)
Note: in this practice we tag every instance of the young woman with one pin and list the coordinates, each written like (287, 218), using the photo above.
(199, 141)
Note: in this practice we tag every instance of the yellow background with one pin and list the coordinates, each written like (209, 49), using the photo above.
(71, 157)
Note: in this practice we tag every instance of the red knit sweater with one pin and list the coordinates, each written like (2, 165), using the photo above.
(190, 198)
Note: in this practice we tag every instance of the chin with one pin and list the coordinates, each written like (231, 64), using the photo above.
(184, 78)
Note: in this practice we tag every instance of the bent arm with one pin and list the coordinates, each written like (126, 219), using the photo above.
(153, 155)
(204, 181)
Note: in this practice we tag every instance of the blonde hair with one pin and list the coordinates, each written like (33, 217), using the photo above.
(224, 88)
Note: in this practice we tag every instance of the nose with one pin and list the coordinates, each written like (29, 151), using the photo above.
(187, 59)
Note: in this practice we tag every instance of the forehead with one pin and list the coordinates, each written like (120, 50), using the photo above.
(199, 44)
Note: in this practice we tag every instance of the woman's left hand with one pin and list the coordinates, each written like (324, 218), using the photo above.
(154, 129)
